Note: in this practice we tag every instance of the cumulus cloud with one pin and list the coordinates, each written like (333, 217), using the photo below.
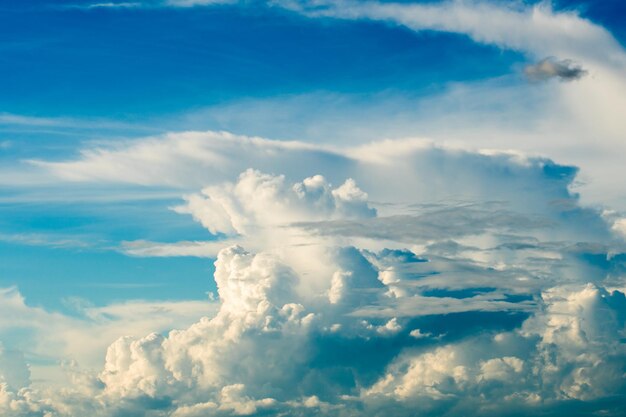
(338, 298)
(554, 356)
(49, 337)
(398, 275)
(263, 200)
(548, 68)
(619, 226)
(568, 348)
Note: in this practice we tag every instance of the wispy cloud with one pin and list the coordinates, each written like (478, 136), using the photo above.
(70, 123)
(192, 3)
(150, 4)
(534, 29)
(110, 5)
(49, 240)
(143, 248)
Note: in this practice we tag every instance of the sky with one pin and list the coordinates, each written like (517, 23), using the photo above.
(312, 207)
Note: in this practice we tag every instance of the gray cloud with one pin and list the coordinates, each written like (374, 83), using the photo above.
(431, 224)
(548, 68)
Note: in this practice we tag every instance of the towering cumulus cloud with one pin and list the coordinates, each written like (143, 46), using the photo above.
(399, 276)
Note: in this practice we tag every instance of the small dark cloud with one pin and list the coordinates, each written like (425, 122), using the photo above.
(549, 68)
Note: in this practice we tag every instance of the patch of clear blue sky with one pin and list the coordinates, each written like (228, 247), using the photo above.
(55, 250)
(128, 63)
(136, 65)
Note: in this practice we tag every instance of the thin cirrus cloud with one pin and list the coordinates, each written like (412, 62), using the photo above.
(536, 30)
(153, 4)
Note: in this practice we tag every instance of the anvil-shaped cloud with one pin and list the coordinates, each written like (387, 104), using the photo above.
(397, 275)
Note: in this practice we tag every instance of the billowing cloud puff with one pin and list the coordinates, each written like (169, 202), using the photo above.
(262, 200)
(268, 350)
(554, 357)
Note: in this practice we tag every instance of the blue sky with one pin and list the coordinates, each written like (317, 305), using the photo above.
(337, 142)
(154, 62)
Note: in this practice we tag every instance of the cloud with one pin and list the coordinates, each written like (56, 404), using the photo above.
(204, 249)
(548, 68)
(111, 5)
(534, 29)
(195, 159)
(558, 353)
(494, 302)
(51, 240)
(149, 4)
(575, 122)
(593, 132)
(192, 3)
(360, 280)
(18, 120)
(50, 337)
(552, 357)
(262, 200)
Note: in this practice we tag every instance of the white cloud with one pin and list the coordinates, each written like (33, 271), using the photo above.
(619, 227)
(549, 368)
(112, 5)
(580, 122)
(533, 29)
(205, 249)
(195, 159)
(298, 311)
(191, 3)
(260, 200)
(50, 337)
(213, 367)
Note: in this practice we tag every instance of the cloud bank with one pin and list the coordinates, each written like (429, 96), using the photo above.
(398, 276)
